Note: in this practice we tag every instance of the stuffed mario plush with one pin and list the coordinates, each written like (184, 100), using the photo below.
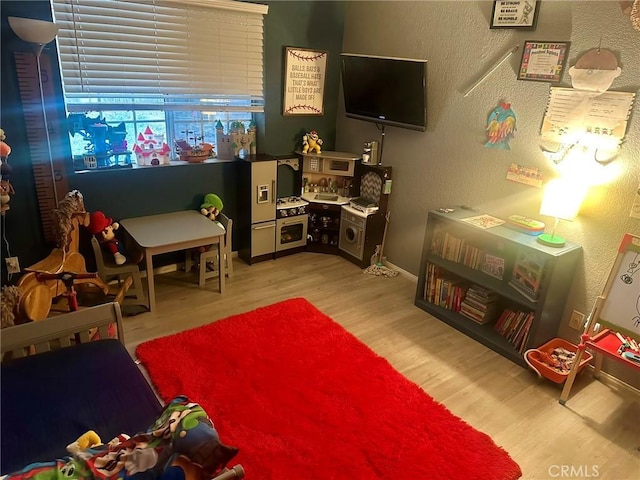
(103, 228)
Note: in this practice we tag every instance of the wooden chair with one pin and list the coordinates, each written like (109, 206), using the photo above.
(108, 269)
(211, 255)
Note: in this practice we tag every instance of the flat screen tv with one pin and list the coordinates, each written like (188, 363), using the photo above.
(385, 90)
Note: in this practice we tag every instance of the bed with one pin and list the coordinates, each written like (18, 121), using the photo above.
(66, 375)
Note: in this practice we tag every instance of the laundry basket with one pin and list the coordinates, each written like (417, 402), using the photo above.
(534, 358)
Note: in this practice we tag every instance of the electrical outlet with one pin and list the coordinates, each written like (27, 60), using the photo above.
(577, 320)
(13, 266)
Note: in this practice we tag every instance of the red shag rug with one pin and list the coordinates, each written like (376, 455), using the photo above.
(304, 399)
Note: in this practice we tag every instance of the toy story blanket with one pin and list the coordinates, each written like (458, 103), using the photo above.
(183, 430)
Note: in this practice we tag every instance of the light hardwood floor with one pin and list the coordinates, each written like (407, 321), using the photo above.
(596, 435)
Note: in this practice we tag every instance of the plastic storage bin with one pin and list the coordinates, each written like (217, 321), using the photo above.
(533, 358)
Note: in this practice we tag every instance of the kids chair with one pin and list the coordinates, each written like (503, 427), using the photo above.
(211, 255)
(109, 269)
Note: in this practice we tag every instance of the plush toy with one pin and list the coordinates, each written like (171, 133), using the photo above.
(5, 187)
(191, 433)
(311, 142)
(104, 229)
(6, 190)
(90, 439)
(182, 444)
(10, 300)
(212, 206)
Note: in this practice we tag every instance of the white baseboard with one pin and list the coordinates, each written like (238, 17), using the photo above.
(173, 267)
(612, 381)
(403, 273)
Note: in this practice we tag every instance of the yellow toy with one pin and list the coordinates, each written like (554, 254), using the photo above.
(89, 439)
(311, 142)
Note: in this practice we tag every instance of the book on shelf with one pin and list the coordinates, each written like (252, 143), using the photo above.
(521, 337)
(514, 326)
(443, 289)
(474, 302)
(478, 315)
(493, 265)
(507, 317)
(481, 293)
(479, 304)
(529, 294)
(437, 240)
(527, 274)
(525, 336)
(453, 247)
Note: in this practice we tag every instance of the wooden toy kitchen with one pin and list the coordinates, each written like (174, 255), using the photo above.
(329, 202)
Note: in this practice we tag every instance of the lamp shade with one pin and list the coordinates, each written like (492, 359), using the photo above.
(562, 199)
(35, 31)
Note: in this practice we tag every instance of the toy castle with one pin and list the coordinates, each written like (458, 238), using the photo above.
(237, 141)
(151, 149)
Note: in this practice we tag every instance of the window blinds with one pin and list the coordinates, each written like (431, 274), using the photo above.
(205, 53)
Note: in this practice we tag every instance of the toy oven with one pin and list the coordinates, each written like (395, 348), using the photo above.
(291, 232)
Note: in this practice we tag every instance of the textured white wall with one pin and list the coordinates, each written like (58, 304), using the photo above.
(448, 165)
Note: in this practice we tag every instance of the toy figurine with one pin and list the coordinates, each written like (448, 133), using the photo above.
(212, 206)
(311, 142)
(104, 229)
(5, 187)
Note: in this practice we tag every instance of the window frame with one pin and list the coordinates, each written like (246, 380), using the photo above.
(227, 108)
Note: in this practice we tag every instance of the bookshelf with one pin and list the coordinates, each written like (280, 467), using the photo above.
(524, 284)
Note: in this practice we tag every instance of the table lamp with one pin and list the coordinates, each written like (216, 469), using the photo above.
(561, 200)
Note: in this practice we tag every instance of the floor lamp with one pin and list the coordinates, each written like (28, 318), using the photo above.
(38, 33)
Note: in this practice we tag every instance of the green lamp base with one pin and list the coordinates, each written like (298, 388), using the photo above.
(551, 240)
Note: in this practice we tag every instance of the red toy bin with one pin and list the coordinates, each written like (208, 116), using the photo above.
(533, 357)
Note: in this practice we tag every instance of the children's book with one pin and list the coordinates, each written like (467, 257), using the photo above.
(483, 221)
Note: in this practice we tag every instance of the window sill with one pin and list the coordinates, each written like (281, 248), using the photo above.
(173, 163)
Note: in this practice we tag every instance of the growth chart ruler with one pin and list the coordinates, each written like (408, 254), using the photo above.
(48, 170)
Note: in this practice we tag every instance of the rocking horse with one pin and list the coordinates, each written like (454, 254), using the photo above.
(44, 281)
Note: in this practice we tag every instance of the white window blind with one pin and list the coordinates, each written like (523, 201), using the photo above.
(155, 54)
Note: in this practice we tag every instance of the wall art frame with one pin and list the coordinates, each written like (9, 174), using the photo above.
(543, 61)
(522, 14)
(304, 81)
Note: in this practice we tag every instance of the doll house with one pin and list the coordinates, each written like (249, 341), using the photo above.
(151, 149)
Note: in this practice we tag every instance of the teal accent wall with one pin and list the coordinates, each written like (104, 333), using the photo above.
(129, 193)
(312, 25)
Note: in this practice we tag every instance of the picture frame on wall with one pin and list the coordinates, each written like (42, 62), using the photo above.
(543, 61)
(304, 81)
(515, 14)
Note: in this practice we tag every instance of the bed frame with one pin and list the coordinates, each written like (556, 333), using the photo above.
(55, 332)
(71, 384)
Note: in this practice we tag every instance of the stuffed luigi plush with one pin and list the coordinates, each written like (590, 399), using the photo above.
(212, 206)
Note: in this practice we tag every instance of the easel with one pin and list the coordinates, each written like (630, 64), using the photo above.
(617, 309)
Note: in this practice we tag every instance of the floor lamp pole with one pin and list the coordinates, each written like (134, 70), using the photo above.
(39, 49)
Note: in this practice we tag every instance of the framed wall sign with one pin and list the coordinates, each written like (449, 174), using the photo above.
(515, 14)
(304, 79)
(543, 61)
